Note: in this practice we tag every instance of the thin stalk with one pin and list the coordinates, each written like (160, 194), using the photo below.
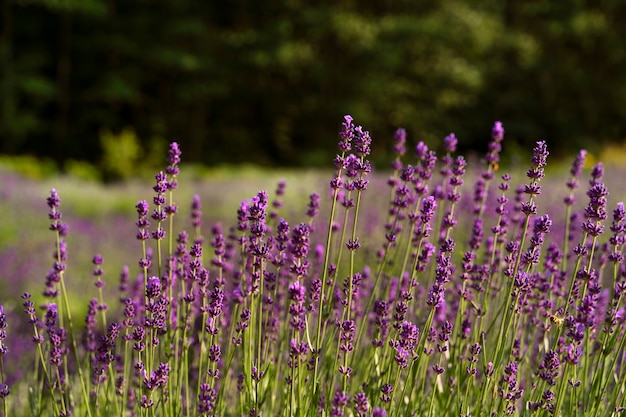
(319, 334)
(70, 325)
(413, 375)
(4, 401)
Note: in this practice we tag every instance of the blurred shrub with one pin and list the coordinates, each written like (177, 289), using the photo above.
(614, 154)
(120, 154)
(82, 170)
(123, 157)
(29, 166)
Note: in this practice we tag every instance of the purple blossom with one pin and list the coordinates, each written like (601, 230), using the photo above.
(4, 390)
(339, 402)
(158, 378)
(421, 150)
(399, 148)
(549, 368)
(450, 142)
(173, 159)
(362, 142)
(386, 390)
(196, 212)
(206, 399)
(89, 334)
(597, 173)
(346, 134)
(153, 287)
(314, 205)
(575, 171)
(56, 336)
(497, 132)
(538, 161)
(379, 412)
(299, 247)
(618, 227)
(54, 215)
(361, 405)
(595, 212)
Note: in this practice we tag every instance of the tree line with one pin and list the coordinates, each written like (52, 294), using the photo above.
(269, 81)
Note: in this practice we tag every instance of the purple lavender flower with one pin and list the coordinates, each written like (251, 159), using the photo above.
(538, 161)
(278, 203)
(153, 287)
(173, 158)
(339, 402)
(442, 276)
(421, 151)
(297, 310)
(399, 148)
(56, 336)
(98, 272)
(497, 132)
(314, 205)
(549, 367)
(299, 247)
(597, 173)
(257, 213)
(206, 399)
(196, 218)
(509, 389)
(450, 142)
(346, 134)
(381, 320)
(55, 215)
(385, 393)
(399, 139)
(595, 212)
(296, 352)
(361, 405)
(346, 337)
(362, 142)
(142, 223)
(618, 227)
(158, 378)
(379, 412)
(3, 332)
(475, 350)
(4, 388)
(541, 228)
(160, 212)
(215, 309)
(89, 334)
(575, 171)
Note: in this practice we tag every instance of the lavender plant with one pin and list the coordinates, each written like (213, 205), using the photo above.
(475, 303)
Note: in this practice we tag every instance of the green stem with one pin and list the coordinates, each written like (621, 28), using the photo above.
(320, 315)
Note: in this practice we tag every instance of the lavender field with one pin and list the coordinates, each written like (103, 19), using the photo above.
(436, 286)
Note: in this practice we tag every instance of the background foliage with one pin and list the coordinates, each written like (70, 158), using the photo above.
(272, 79)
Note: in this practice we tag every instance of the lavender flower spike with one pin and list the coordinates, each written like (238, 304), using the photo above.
(399, 139)
(346, 134)
(450, 143)
(4, 388)
(497, 132)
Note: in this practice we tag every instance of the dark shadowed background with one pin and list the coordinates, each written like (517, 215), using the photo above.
(268, 82)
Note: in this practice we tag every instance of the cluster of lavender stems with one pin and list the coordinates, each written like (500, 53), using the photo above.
(469, 300)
